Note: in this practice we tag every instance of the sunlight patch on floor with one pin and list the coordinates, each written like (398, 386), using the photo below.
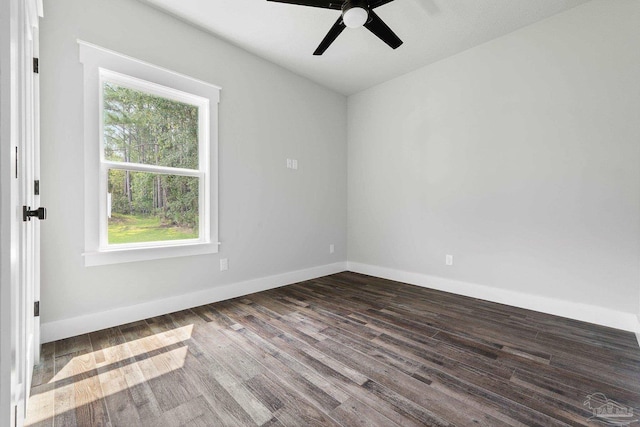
(82, 381)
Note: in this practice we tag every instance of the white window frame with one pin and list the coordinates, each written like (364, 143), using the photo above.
(100, 66)
(107, 76)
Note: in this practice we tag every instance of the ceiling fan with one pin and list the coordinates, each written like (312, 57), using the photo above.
(355, 14)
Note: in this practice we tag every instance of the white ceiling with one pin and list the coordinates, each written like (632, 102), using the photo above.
(431, 30)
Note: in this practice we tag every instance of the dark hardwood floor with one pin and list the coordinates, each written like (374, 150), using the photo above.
(346, 349)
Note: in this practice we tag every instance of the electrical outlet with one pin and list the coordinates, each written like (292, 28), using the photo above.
(289, 164)
(295, 164)
(448, 260)
(224, 264)
(332, 248)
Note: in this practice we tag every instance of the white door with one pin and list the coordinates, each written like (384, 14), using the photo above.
(23, 123)
(29, 183)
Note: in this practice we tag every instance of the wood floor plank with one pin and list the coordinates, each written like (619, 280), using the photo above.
(408, 386)
(162, 366)
(116, 361)
(347, 379)
(225, 393)
(341, 350)
(352, 412)
(40, 412)
(223, 398)
(295, 411)
(43, 372)
(323, 398)
(64, 393)
(73, 345)
(195, 412)
(89, 403)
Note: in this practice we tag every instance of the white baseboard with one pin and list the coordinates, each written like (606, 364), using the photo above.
(65, 328)
(572, 310)
(59, 329)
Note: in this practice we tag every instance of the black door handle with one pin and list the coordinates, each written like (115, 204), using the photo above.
(27, 213)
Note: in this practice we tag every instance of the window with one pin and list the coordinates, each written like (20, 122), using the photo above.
(150, 161)
(153, 140)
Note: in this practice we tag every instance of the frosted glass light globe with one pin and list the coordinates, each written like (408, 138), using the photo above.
(355, 17)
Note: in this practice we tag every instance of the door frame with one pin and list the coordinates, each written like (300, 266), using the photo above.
(16, 121)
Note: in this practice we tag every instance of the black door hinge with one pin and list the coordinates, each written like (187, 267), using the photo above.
(36, 309)
(36, 187)
(16, 162)
(36, 65)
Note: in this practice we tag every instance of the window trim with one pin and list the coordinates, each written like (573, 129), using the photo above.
(102, 65)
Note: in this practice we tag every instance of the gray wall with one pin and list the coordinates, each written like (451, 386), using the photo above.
(520, 157)
(272, 219)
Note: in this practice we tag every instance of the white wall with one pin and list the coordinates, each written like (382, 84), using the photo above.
(521, 157)
(272, 220)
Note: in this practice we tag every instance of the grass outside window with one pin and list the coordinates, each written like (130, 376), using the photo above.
(138, 228)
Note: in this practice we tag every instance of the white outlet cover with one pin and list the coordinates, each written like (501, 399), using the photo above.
(332, 248)
(449, 260)
(289, 164)
(295, 164)
(224, 264)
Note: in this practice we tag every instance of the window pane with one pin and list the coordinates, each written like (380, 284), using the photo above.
(150, 207)
(148, 129)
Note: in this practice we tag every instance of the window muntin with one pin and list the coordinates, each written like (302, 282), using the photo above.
(153, 164)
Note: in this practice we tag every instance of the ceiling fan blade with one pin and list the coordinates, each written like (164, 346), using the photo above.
(325, 4)
(333, 33)
(377, 3)
(380, 29)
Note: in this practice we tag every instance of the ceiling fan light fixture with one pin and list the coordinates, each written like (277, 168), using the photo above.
(355, 17)
(354, 14)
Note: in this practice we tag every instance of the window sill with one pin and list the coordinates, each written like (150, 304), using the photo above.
(118, 256)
